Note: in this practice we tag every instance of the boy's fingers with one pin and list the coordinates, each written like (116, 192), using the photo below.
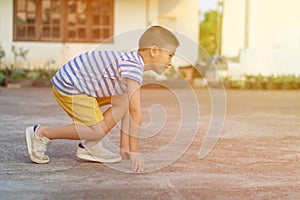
(137, 165)
(134, 165)
(142, 165)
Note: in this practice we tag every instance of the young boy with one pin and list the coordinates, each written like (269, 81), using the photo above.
(98, 78)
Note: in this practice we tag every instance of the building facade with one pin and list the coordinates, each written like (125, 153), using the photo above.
(56, 30)
(261, 36)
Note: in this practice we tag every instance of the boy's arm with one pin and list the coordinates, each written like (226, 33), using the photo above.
(135, 120)
(135, 114)
(124, 137)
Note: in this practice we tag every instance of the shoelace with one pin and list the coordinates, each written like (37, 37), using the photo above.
(43, 146)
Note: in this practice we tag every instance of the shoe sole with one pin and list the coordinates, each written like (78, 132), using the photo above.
(29, 147)
(93, 159)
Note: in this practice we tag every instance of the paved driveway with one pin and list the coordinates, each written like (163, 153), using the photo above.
(257, 155)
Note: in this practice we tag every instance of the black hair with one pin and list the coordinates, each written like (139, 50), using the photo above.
(157, 36)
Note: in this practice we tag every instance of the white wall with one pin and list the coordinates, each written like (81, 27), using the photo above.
(186, 15)
(182, 16)
(233, 27)
(129, 15)
(270, 61)
(273, 37)
(6, 27)
(275, 24)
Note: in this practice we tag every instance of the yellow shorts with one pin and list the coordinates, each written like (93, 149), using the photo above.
(83, 109)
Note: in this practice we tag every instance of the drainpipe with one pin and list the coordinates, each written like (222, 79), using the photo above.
(246, 34)
(220, 4)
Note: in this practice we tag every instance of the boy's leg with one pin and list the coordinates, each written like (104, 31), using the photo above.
(92, 150)
(119, 106)
(74, 132)
(91, 133)
(81, 108)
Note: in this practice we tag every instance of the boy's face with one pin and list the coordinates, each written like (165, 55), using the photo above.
(162, 59)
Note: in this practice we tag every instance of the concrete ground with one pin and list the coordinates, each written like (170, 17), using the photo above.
(257, 155)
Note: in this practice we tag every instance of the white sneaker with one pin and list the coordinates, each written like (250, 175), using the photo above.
(36, 146)
(97, 153)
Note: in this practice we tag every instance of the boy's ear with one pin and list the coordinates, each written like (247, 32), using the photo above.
(154, 51)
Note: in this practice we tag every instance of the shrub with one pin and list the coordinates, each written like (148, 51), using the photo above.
(272, 82)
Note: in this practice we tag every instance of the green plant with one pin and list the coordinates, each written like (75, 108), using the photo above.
(249, 81)
(17, 73)
(19, 53)
(209, 32)
(46, 74)
(227, 82)
(20, 56)
(237, 84)
(2, 78)
(297, 83)
(2, 55)
(289, 82)
(260, 82)
(271, 82)
(10, 72)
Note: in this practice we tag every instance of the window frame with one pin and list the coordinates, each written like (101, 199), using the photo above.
(63, 27)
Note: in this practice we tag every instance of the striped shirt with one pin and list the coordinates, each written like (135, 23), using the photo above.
(99, 73)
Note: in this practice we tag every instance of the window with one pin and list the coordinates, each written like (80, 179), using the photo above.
(63, 20)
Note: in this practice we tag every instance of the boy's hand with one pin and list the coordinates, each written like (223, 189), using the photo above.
(137, 162)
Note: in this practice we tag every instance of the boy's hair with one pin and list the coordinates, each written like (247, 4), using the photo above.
(157, 36)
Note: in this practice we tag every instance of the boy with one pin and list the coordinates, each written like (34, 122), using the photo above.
(97, 78)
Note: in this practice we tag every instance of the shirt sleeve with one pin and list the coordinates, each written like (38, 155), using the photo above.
(132, 71)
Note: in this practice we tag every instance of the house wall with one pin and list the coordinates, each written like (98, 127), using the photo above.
(130, 17)
(233, 30)
(182, 16)
(39, 52)
(274, 24)
(268, 41)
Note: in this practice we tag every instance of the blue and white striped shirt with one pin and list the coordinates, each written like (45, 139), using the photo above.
(99, 73)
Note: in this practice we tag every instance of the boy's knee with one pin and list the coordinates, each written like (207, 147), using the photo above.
(99, 130)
